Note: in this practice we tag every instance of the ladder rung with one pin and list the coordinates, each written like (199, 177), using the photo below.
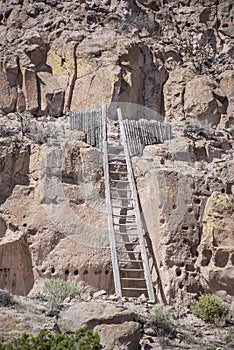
(134, 270)
(132, 279)
(121, 207)
(125, 216)
(116, 162)
(127, 225)
(128, 251)
(134, 288)
(122, 198)
(135, 261)
(121, 189)
(125, 222)
(126, 243)
(126, 234)
(115, 147)
(129, 228)
(116, 155)
(119, 180)
(118, 172)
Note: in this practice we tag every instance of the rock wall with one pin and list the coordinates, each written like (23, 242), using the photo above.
(174, 57)
(64, 50)
(179, 194)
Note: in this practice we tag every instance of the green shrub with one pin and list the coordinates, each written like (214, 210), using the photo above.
(81, 340)
(6, 298)
(211, 309)
(229, 336)
(56, 290)
(160, 320)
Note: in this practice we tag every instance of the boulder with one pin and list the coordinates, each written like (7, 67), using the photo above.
(114, 323)
(216, 252)
(119, 336)
(30, 89)
(92, 314)
(204, 100)
(8, 94)
(16, 273)
(174, 92)
(52, 94)
(227, 85)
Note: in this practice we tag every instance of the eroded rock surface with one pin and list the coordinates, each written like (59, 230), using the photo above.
(175, 58)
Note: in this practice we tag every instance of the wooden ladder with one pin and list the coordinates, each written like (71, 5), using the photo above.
(128, 250)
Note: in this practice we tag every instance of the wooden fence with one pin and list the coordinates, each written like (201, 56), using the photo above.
(139, 133)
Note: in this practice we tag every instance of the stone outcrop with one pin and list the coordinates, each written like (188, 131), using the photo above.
(14, 160)
(16, 271)
(216, 248)
(132, 48)
(115, 325)
(175, 58)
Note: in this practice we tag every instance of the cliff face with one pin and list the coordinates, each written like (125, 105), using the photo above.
(174, 57)
(56, 53)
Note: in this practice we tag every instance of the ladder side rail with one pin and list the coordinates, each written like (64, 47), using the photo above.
(111, 230)
(137, 209)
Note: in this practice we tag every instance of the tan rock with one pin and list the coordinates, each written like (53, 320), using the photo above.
(30, 89)
(89, 93)
(92, 314)
(7, 94)
(120, 336)
(174, 91)
(227, 85)
(52, 94)
(14, 168)
(16, 272)
(200, 101)
(216, 252)
(225, 10)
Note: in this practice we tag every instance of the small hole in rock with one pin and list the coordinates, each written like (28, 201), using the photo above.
(66, 272)
(178, 272)
(190, 210)
(229, 188)
(223, 190)
(52, 270)
(197, 201)
(174, 206)
(107, 272)
(180, 285)
(189, 267)
(162, 221)
(76, 272)
(85, 272)
(232, 259)
(207, 254)
(24, 225)
(221, 258)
